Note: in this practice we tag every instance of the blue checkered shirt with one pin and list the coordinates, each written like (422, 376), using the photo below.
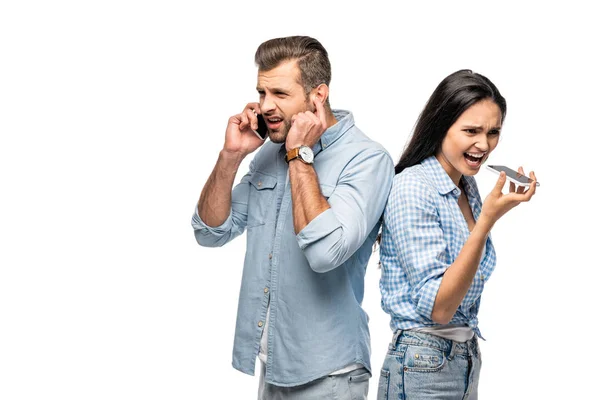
(423, 232)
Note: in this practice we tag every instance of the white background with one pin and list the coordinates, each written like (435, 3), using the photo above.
(112, 114)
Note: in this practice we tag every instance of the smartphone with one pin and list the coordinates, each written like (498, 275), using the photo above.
(512, 175)
(261, 132)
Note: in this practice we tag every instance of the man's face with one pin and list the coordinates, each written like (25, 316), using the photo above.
(281, 97)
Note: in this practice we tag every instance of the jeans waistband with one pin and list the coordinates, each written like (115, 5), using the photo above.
(449, 347)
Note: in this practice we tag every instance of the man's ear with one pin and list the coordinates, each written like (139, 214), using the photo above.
(320, 93)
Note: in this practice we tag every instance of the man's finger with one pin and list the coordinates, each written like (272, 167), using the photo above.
(254, 107)
(251, 119)
(244, 121)
(320, 111)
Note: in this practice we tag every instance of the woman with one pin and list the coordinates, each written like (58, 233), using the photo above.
(436, 253)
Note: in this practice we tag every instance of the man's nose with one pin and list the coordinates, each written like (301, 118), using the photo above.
(267, 104)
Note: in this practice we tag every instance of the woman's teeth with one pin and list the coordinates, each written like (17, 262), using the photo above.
(474, 159)
(474, 155)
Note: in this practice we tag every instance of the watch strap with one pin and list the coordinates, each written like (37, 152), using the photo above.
(292, 154)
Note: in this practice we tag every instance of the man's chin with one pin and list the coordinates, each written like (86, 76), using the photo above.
(277, 137)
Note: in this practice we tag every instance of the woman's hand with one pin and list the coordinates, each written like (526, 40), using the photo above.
(497, 204)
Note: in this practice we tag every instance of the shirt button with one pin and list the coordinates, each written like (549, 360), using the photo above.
(266, 290)
(482, 277)
(259, 183)
(270, 256)
(260, 324)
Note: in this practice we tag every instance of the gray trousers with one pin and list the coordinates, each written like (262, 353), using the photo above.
(353, 385)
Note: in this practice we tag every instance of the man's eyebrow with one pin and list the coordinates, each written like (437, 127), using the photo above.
(274, 90)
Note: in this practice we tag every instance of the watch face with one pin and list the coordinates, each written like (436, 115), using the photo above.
(306, 154)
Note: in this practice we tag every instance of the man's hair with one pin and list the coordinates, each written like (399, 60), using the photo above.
(311, 56)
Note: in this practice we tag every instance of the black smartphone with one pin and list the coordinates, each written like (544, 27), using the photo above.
(261, 132)
(512, 175)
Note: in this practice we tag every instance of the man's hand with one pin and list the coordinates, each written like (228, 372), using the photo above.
(307, 127)
(240, 139)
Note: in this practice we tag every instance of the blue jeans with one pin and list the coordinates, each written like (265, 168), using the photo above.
(353, 385)
(424, 366)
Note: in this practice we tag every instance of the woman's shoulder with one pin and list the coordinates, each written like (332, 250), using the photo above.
(411, 176)
(413, 182)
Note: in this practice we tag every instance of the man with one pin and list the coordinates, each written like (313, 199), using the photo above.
(311, 203)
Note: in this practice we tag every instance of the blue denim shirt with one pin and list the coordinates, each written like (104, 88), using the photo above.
(424, 230)
(315, 280)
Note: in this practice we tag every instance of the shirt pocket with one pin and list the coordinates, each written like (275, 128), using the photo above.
(261, 199)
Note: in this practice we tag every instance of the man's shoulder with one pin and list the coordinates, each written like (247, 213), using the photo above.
(353, 136)
(358, 142)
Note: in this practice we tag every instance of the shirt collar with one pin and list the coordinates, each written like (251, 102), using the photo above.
(442, 180)
(440, 177)
(345, 121)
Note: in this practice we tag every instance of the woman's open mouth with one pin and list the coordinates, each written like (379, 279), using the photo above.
(474, 160)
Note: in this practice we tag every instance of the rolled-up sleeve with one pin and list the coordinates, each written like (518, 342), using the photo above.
(235, 223)
(416, 232)
(357, 203)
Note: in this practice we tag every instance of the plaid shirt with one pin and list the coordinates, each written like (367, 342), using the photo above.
(424, 230)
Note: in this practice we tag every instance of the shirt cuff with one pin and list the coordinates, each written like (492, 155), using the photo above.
(198, 224)
(321, 226)
(427, 298)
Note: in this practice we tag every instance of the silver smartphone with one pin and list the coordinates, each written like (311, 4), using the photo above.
(512, 175)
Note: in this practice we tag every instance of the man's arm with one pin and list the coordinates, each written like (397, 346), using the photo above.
(330, 231)
(354, 208)
(307, 200)
(307, 128)
(220, 214)
(214, 205)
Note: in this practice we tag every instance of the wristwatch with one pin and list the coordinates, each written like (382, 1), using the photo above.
(304, 153)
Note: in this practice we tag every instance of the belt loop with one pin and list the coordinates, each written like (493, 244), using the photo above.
(473, 347)
(395, 339)
(452, 350)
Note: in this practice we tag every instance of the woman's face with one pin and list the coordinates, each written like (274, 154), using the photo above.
(471, 139)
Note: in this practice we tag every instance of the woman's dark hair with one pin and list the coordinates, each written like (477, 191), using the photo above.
(456, 93)
(450, 99)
